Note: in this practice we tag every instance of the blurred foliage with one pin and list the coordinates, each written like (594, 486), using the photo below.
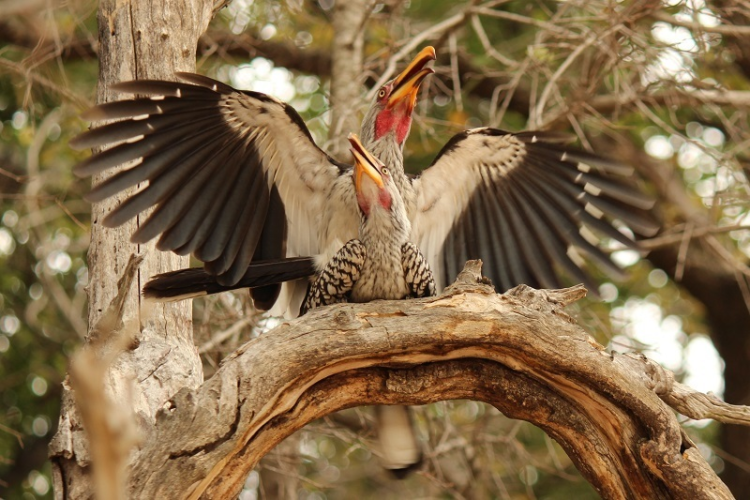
(48, 75)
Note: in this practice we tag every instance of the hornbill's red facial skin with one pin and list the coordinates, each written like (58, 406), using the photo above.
(519, 201)
(398, 97)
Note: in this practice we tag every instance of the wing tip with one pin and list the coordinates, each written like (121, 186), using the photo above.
(78, 143)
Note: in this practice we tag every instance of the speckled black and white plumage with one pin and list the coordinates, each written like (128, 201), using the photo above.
(234, 177)
(334, 282)
(417, 271)
(380, 264)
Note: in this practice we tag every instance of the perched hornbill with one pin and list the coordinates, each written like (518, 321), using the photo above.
(235, 175)
(381, 263)
(522, 202)
(235, 178)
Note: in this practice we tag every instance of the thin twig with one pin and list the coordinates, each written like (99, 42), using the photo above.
(220, 337)
(723, 29)
(454, 72)
(682, 252)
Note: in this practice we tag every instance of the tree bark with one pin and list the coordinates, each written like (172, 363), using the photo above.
(518, 351)
(150, 39)
(346, 72)
(718, 284)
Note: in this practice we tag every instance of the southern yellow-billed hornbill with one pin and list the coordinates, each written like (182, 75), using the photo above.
(381, 263)
(235, 178)
(522, 202)
(234, 175)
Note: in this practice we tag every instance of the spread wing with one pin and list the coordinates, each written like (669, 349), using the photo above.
(233, 175)
(523, 203)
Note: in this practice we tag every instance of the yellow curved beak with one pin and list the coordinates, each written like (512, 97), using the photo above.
(408, 81)
(364, 163)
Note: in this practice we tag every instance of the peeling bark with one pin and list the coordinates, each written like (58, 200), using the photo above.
(150, 39)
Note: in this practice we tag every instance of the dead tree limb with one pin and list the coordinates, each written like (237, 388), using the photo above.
(518, 351)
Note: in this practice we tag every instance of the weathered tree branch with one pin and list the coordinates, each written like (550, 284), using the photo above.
(716, 283)
(518, 351)
(109, 424)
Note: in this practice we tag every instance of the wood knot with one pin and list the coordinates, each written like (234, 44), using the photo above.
(470, 275)
(660, 381)
(342, 317)
(547, 301)
(403, 382)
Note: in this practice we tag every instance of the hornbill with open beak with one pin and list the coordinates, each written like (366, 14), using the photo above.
(235, 178)
(234, 175)
(381, 263)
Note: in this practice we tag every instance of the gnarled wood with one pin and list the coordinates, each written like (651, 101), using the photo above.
(519, 352)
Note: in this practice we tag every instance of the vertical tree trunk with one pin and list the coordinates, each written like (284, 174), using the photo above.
(144, 39)
(346, 72)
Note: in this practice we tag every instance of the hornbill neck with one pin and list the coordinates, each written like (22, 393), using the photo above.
(383, 234)
(385, 228)
(386, 125)
(383, 219)
(391, 153)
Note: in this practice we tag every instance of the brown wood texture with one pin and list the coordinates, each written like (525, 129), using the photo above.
(144, 39)
(518, 351)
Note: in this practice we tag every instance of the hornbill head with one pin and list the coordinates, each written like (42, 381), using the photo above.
(372, 180)
(395, 101)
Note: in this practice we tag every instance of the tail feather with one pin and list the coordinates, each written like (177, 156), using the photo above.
(196, 281)
(400, 450)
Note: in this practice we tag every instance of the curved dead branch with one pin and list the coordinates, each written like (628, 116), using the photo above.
(518, 351)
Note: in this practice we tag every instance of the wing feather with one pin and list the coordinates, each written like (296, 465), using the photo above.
(132, 130)
(117, 110)
(519, 202)
(190, 231)
(219, 238)
(500, 261)
(549, 228)
(231, 266)
(211, 155)
(530, 241)
(154, 162)
(566, 224)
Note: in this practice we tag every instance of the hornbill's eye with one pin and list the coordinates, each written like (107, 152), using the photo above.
(384, 171)
(381, 94)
